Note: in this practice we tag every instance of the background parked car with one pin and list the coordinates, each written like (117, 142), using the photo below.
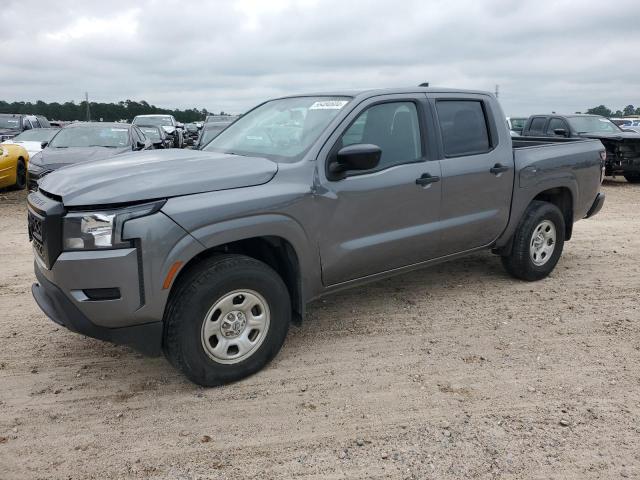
(32, 140)
(172, 127)
(191, 133)
(13, 166)
(85, 141)
(12, 124)
(211, 130)
(516, 124)
(157, 135)
(623, 147)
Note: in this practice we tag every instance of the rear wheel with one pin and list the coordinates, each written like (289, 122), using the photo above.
(227, 319)
(537, 243)
(632, 177)
(21, 175)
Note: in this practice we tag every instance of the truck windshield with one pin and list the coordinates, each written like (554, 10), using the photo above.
(91, 136)
(593, 125)
(281, 130)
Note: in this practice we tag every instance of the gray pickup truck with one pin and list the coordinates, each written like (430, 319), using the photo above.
(209, 255)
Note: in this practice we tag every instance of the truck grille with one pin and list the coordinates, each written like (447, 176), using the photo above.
(36, 233)
(44, 220)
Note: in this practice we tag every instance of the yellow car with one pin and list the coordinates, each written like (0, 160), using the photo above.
(13, 166)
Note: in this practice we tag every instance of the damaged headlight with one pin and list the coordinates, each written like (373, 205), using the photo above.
(96, 230)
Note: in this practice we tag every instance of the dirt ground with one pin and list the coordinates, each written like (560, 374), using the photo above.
(449, 373)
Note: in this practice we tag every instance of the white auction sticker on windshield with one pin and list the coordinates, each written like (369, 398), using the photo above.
(329, 105)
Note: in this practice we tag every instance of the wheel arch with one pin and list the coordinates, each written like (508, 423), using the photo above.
(561, 195)
(275, 251)
(275, 239)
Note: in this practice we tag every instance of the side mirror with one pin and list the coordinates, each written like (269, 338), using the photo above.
(560, 132)
(139, 145)
(44, 145)
(362, 156)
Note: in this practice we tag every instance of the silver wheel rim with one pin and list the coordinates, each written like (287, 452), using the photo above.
(235, 326)
(543, 243)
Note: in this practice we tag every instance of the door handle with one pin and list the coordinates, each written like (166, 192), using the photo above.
(498, 168)
(426, 179)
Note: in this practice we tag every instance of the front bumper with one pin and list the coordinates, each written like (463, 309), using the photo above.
(597, 205)
(145, 338)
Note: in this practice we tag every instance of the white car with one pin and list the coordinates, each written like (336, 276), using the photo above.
(32, 140)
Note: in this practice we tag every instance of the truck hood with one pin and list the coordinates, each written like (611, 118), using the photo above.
(155, 174)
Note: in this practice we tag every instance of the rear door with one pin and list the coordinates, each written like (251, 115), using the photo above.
(388, 217)
(477, 171)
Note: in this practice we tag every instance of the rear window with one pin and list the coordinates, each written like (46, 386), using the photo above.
(537, 125)
(464, 127)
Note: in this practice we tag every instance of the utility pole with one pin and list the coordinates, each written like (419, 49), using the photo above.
(497, 90)
(86, 99)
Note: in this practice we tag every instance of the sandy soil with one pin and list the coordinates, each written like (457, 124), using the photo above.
(454, 372)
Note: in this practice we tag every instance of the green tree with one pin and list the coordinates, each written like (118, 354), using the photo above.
(600, 110)
(629, 110)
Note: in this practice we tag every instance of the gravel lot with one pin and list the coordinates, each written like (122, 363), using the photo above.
(454, 372)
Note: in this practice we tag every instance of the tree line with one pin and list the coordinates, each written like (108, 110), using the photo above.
(107, 112)
(607, 112)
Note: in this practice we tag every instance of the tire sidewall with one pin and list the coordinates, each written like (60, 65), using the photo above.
(198, 365)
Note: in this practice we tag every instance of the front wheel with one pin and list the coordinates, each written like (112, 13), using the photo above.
(537, 243)
(227, 318)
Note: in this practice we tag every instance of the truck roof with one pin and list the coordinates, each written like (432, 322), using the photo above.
(387, 91)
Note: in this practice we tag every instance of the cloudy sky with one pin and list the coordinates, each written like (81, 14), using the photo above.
(563, 55)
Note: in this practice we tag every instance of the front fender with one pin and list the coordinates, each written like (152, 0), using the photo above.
(268, 225)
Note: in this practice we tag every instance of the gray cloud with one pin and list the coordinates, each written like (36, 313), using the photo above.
(563, 56)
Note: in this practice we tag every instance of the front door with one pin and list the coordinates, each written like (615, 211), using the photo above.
(385, 218)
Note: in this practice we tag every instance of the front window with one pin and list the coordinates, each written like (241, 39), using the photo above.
(281, 129)
(91, 136)
(156, 121)
(10, 122)
(593, 125)
(36, 135)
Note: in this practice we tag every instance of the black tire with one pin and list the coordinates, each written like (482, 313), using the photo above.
(632, 177)
(519, 263)
(21, 176)
(196, 295)
(178, 139)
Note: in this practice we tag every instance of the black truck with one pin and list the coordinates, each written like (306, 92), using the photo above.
(623, 146)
